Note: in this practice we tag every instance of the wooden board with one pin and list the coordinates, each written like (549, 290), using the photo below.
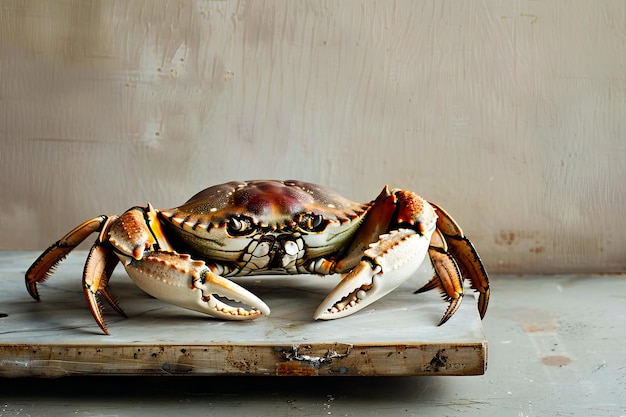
(395, 336)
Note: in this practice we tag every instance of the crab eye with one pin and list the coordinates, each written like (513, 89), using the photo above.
(316, 221)
(313, 222)
(239, 226)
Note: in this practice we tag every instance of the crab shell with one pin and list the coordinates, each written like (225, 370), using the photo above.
(220, 222)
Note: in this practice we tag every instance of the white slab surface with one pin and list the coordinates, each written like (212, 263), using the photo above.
(395, 336)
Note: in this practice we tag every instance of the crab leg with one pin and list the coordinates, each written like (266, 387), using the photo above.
(180, 280)
(98, 269)
(447, 275)
(467, 259)
(45, 264)
(385, 265)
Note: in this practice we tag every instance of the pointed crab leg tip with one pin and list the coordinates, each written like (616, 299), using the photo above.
(482, 309)
(443, 320)
(32, 290)
(483, 302)
(452, 308)
(102, 325)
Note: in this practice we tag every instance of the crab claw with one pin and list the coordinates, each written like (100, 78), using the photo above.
(180, 280)
(386, 264)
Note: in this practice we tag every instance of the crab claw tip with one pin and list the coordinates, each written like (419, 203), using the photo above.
(214, 287)
(357, 290)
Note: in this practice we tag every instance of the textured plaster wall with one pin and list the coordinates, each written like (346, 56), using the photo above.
(510, 114)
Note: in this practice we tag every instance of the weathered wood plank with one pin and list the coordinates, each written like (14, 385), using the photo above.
(395, 336)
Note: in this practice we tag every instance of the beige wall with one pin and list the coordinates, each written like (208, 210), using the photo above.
(510, 114)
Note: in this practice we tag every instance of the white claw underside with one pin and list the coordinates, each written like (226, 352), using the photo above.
(393, 259)
(179, 280)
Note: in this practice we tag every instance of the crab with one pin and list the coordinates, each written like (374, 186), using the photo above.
(184, 255)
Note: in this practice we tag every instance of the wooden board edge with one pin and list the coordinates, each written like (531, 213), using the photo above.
(321, 359)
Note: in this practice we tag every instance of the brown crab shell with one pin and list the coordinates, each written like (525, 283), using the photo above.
(268, 203)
